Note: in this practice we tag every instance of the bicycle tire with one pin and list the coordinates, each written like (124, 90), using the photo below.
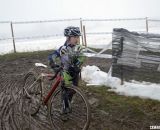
(72, 116)
(31, 95)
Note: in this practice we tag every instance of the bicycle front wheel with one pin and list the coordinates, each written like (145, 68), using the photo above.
(32, 94)
(78, 115)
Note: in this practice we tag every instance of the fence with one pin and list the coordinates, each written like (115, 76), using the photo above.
(90, 28)
(136, 56)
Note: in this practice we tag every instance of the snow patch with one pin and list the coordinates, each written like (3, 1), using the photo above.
(94, 76)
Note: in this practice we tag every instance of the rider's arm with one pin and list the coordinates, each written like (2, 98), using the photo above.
(81, 59)
(53, 58)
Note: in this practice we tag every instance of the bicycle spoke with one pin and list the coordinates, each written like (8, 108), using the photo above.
(31, 94)
(76, 118)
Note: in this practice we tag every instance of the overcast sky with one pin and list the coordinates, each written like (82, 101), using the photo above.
(20, 10)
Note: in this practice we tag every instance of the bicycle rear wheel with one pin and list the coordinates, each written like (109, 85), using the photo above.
(32, 94)
(77, 118)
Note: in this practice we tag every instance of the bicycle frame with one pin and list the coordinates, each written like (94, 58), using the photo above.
(55, 84)
(65, 105)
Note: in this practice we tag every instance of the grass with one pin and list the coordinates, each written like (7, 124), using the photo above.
(132, 112)
(120, 100)
(13, 56)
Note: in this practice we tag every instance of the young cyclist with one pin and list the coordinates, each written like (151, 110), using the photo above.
(70, 57)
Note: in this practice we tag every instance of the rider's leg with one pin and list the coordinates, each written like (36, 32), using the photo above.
(68, 94)
(71, 92)
(76, 80)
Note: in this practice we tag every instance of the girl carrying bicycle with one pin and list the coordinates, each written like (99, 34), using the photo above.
(70, 56)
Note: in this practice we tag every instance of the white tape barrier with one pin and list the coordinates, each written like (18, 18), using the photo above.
(99, 54)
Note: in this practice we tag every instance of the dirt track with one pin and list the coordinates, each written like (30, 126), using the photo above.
(11, 79)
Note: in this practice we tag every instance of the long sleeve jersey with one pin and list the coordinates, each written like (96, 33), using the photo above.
(65, 60)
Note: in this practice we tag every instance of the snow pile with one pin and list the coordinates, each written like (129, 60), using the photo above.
(94, 76)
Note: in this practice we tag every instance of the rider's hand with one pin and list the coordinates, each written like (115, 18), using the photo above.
(56, 68)
(74, 69)
(53, 65)
(77, 62)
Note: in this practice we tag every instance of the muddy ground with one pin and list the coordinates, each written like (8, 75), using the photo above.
(12, 73)
(109, 111)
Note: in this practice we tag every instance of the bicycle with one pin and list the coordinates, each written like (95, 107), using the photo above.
(67, 106)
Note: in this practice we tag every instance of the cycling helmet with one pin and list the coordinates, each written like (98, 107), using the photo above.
(72, 31)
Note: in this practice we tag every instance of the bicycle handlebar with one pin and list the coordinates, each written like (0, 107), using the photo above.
(59, 69)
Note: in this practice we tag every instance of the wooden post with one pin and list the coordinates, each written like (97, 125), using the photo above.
(147, 24)
(84, 33)
(121, 67)
(81, 25)
(122, 77)
(13, 37)
(121, 44)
